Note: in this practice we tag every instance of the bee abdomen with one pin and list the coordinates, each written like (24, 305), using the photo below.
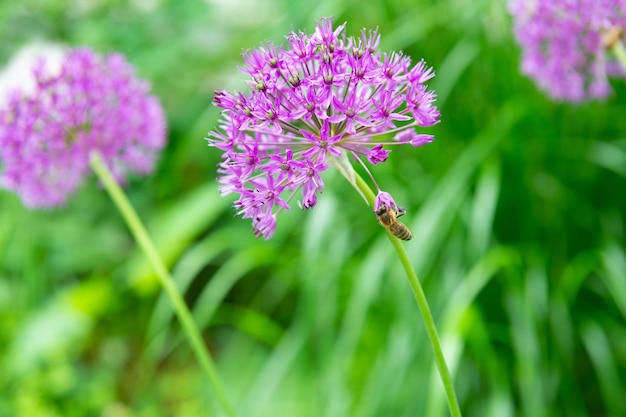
(400, 231)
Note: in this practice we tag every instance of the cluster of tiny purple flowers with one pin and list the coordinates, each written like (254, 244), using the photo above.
(322, 98)
(91, 103)
(565, 45)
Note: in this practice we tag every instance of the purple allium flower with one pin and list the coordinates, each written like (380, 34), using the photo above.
(90, 103)
(313, 103)
(565, 45)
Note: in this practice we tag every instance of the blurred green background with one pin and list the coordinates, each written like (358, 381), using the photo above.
(517, 209)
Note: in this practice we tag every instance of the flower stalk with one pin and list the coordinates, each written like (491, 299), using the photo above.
(182, 311)
(422, 303)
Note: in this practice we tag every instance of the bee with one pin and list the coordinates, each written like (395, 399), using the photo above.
(387, 217)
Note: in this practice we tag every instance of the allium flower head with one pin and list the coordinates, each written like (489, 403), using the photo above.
(90, 103)
(565, 44)
(312, 103)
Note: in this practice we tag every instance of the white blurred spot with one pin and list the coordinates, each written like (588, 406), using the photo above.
(18, 72)
(252, 13)
(146, 6)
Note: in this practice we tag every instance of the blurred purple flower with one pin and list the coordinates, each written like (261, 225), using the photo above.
(564, 45)
(313, 103)
(91, 103)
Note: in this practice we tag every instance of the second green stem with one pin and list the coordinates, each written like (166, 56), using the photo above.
(178, 303)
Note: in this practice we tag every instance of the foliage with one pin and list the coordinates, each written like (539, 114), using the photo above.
(515, 208)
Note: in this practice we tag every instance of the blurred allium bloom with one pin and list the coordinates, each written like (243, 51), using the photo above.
(312, 104)
(564, 44)
(90, 103)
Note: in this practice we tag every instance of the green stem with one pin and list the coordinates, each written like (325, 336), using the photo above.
(182, 311)
(422, 303)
